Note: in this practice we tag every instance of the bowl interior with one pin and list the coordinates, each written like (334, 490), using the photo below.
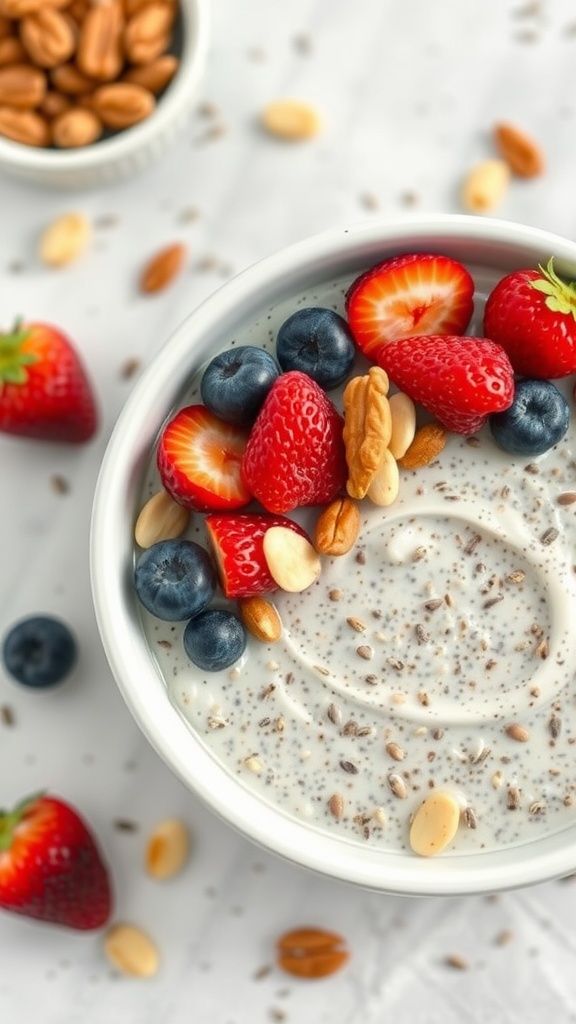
(495, 247)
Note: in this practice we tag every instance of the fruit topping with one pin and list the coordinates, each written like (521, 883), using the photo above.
(295, 453)
(175, 579)
(44, 390)
(199, 460)
(236, 542)
(236, 382)
(214, 639)
(459, 380)
(532, 315)
(50, 865)
(39, 651)
(318, 342)
(537, 419)
(412, 294)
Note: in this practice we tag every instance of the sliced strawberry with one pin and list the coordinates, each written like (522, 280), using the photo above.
(459, 380)
(295, 453)
(416, 293)
(199, 459)
(236, 541)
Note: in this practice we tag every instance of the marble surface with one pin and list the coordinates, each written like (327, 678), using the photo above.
(408, 93)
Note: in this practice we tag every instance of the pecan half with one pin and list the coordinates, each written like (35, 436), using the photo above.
(367, 428)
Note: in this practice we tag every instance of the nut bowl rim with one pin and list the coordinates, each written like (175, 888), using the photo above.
(504, 245)
(126, 151)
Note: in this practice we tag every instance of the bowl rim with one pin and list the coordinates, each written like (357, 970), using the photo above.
(15, 156)
(140, 684)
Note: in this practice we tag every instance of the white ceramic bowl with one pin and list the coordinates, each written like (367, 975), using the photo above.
(132, 150)
(497, 245)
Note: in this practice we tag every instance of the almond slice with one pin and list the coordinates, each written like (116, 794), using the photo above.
(167, 849)
(435, 824)
(292, 562)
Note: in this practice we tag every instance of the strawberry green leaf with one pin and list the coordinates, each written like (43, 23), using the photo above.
(561, 295)
(13, 359)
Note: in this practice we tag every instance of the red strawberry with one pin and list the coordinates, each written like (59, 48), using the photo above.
(417, 293)
(199, 459)
(459, 380)
(50, 865)
(532, 315)
(236, 541)
(44, 390)
(295, 453)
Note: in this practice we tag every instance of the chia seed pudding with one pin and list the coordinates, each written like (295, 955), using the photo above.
(438, 654)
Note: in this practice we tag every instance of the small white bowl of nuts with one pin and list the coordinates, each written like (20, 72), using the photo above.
(339, 600)
(92, 91)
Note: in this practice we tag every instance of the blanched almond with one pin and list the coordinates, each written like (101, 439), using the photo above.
(435, 824)
(167, 849)
(161, 518)
(131, 951)
(403, 413)
(292, 120)
(65, 239)
(385, 484)
(292, 561)
(485, 185)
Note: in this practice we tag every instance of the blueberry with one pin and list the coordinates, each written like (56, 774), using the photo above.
(39, 651)
(214, 639)
(318, 342)
(536, 420)
(236, 382)
(175, 579)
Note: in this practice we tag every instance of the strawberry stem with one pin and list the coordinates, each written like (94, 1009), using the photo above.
(560, 295)
(13, 360)
(9, 820)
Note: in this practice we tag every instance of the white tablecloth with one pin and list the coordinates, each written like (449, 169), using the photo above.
(408, 93)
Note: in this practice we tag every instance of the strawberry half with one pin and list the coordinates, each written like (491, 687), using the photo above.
(295, 453)
(236, 541)
(199, 459)
(44, 390)
(459, 380)
(412, 294)
(51, 867)
(532, 315)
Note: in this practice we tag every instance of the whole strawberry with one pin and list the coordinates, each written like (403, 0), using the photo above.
(44, 390)
(295, 453)
(532, 315)
(50, 865)
(460, 380)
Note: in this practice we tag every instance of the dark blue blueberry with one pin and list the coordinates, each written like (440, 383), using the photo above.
(318, 342)
(39, 651)
(536, 420)
(214, 639)
(175, 579)
(236, 382)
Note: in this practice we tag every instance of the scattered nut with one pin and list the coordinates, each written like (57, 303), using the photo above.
(162, 268)
(429, 441)
(522, 153)
(131, 951)
(517, 732)
(311, 952)
(435, 824)
(291, 120)
(161, 518)
(403, 413)
(485, 185)
(167, 849)
(65, 239)
(292, 561)
(261, 619)
(367, 428)
(337, 527)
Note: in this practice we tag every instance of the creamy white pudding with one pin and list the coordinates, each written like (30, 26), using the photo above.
(437, 655)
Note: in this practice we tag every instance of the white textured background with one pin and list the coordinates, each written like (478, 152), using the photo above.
(408, 92)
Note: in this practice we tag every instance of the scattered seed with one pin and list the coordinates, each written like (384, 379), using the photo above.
(356, 624)
(513, 798)
(435, 603)
(469, 817)
(334, 714)
(336, 805)
(254, 764)
(366, 652)
(59, 484)
(504, 937)
(549, 536)
(349, 767)
(422, 634)
(335, 595)
(395, 751)
(537, 807)
(568, 498)
(397, 786)
(7, 716)
(459, 963)
(555, 726)
(125, 825)
(516, 576)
